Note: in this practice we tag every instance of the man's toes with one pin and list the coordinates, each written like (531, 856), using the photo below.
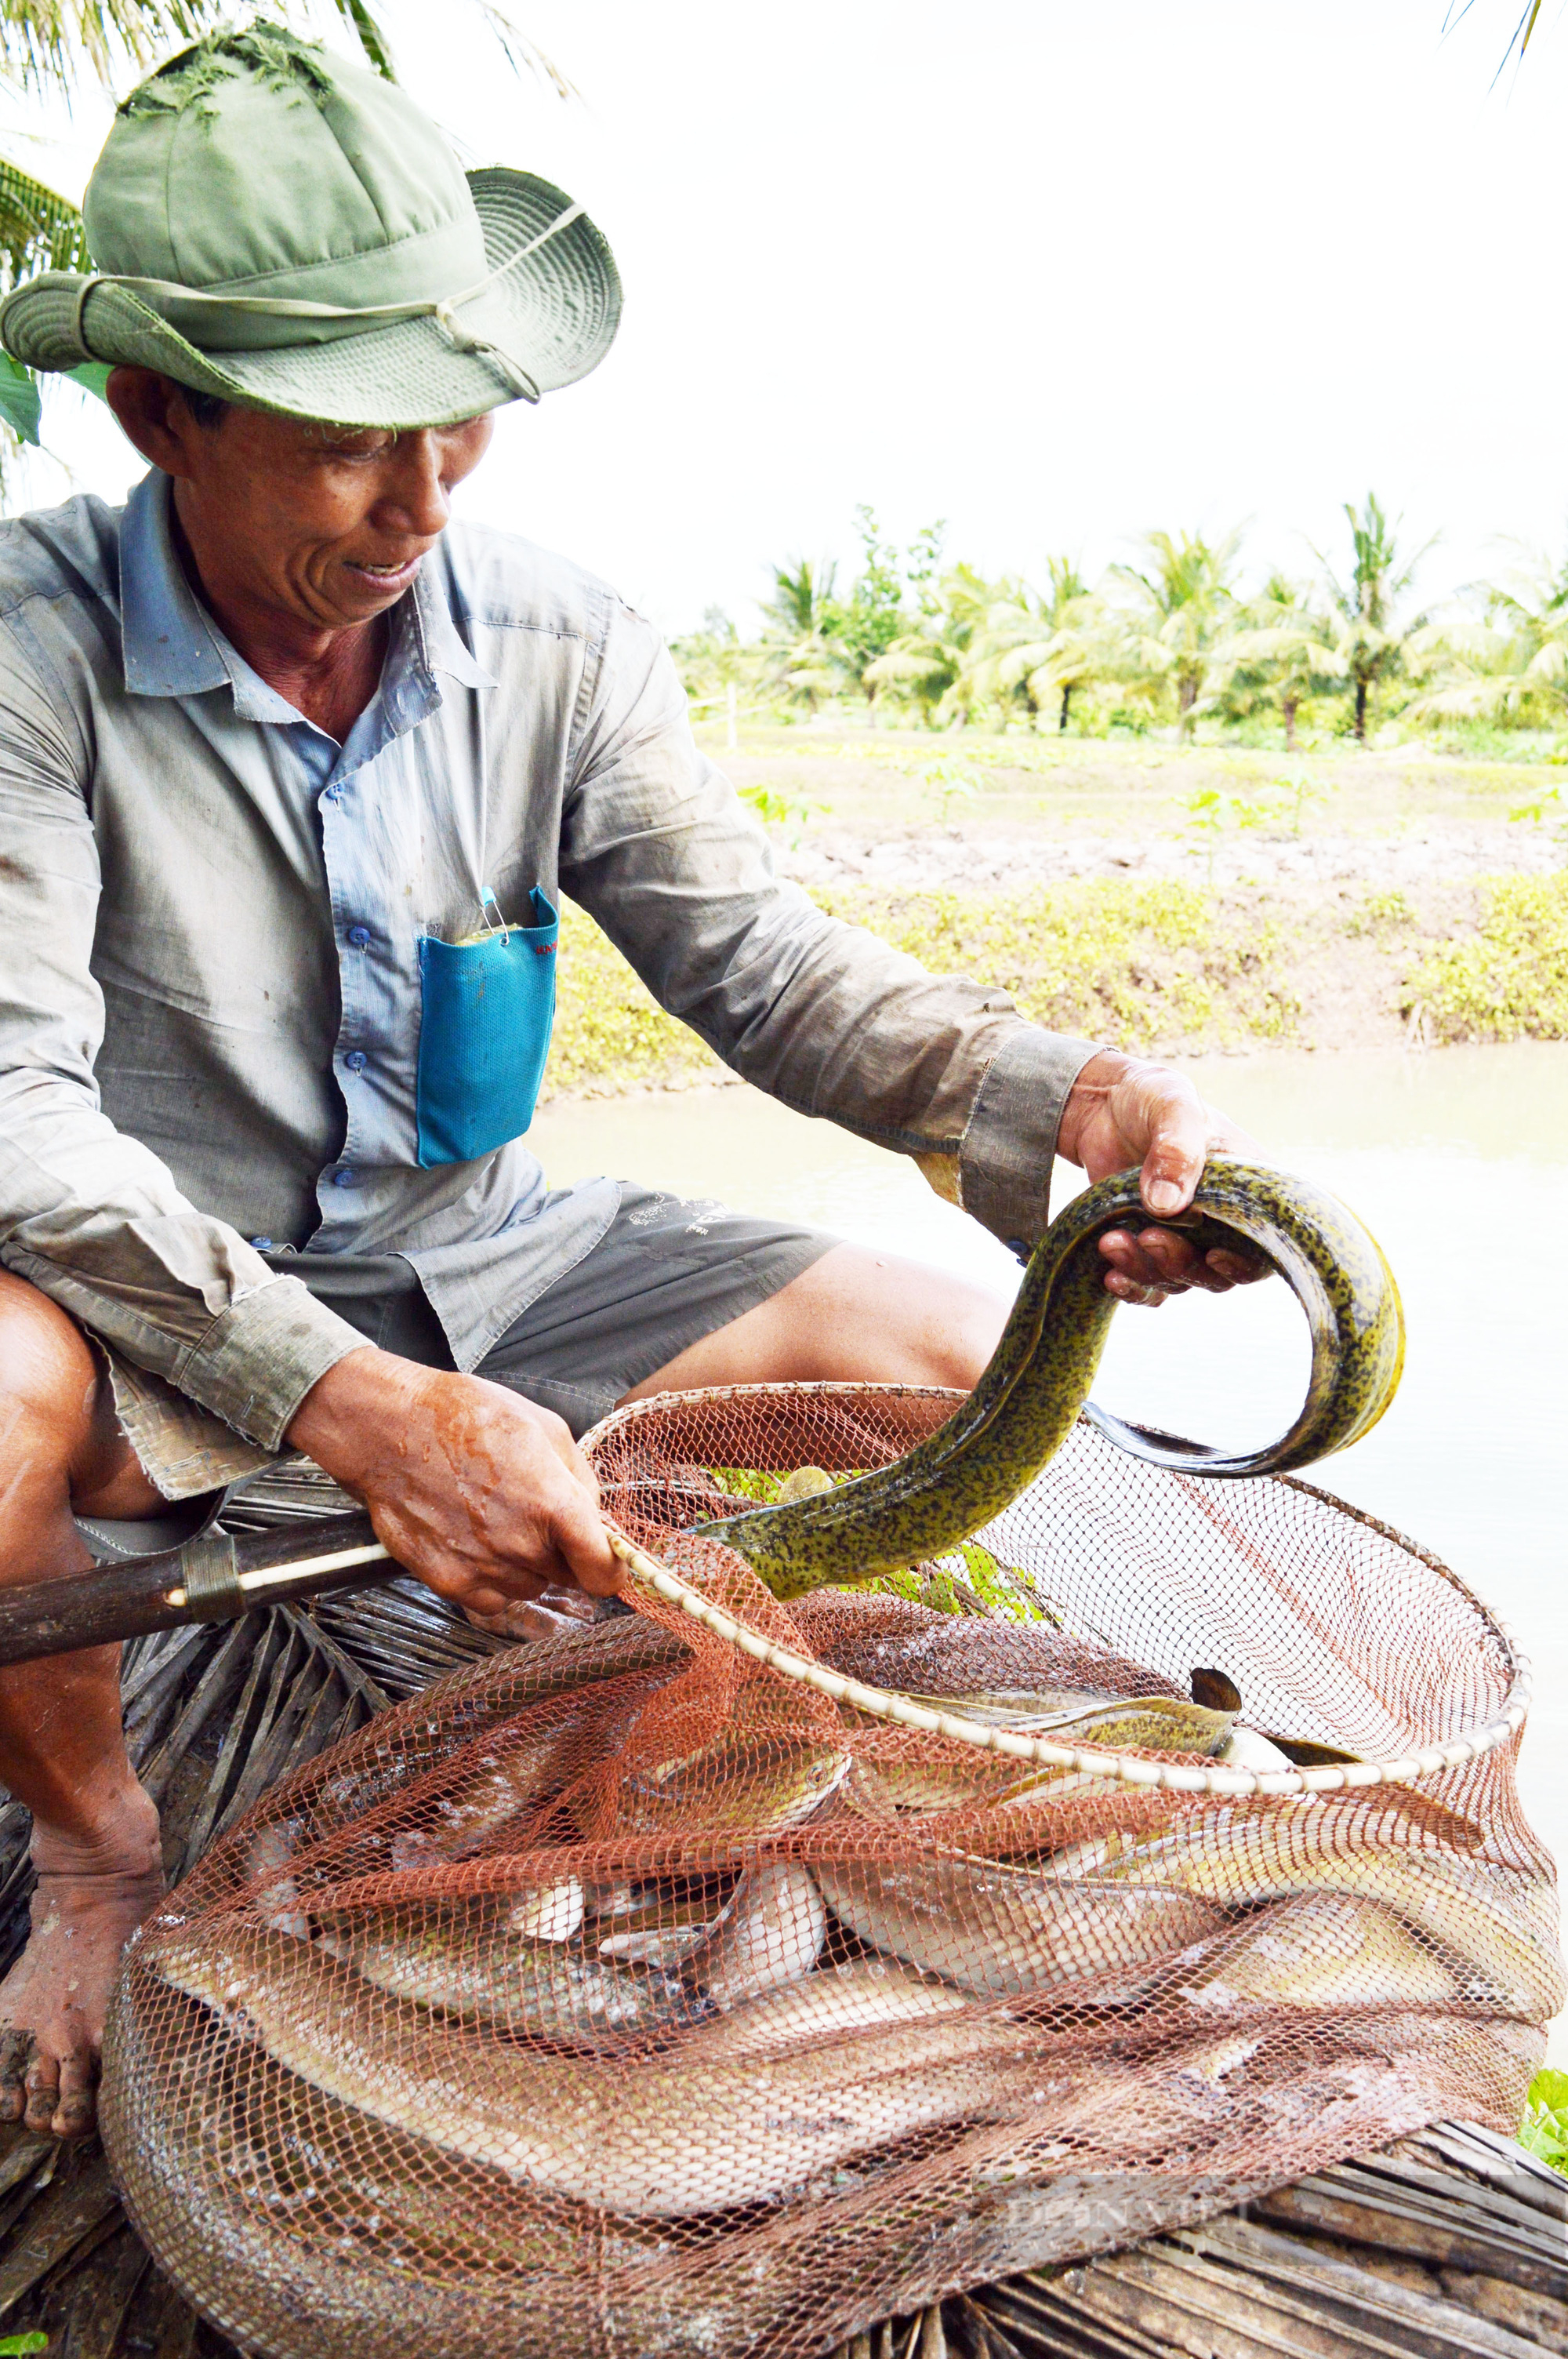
(43, 2090)
(15, 2055)
(77, 2110)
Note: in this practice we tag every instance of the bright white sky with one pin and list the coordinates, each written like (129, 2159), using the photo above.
(1058, 273)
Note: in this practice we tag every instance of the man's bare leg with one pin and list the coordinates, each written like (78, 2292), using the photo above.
(854, 1317)
(62, 1752)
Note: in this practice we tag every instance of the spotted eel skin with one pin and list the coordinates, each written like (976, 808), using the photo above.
(1038, 1380)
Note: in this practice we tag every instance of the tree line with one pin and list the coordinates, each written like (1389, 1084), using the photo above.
(1176, 639)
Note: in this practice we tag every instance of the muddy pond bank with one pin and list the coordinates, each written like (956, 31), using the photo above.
(1164, 962)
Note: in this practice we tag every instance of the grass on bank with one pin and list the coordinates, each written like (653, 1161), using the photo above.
(1130, 963)
(1508, 981)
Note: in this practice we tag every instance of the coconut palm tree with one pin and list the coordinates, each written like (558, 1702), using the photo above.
(1508, 666)
(919, 668)
(800, 651)
(1039, 648)
(1366, 634)
(1183, 610)
(1284, 652)
(929, 664)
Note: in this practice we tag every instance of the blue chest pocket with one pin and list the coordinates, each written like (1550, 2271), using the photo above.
(486, 1009)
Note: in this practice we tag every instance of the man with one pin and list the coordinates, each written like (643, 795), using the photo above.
(282, 762)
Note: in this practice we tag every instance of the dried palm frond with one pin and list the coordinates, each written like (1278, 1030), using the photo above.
(1481, 2273)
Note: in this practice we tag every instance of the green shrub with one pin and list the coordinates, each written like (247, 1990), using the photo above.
(1544, 2129)
(1380, 911)
(1123, 961)
(1508, 981)
(611, 1033)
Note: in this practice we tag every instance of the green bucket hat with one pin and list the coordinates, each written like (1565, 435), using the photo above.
(284, 229)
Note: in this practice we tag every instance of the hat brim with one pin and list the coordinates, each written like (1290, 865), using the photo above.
(554, 316)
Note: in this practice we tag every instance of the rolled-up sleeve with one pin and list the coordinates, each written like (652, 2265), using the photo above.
(659, 849)
(93, 1217)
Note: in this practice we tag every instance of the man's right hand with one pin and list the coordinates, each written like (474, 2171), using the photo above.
(484, 1495)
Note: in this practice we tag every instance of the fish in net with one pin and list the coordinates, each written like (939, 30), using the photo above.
(726, 1976)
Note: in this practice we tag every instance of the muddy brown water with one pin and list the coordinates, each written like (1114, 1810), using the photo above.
(1459, 1162)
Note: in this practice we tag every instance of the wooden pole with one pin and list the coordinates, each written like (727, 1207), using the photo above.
(209, 1579)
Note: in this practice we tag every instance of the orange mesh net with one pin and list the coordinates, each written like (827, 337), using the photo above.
(623, 1996)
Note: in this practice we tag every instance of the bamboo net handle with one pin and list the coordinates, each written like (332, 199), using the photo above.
(1215, 1777)
(883, 1703)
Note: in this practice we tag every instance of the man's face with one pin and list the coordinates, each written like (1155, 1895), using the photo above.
(323, 524)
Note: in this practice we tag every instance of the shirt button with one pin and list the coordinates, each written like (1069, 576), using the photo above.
(345, 1177)
(359, 936)
(262, 1244)
(355, 1060)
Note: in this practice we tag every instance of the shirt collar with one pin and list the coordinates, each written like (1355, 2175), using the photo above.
(171, 644)
(173, 647)
(441, 643)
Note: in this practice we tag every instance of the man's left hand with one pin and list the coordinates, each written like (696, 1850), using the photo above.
(1122, 1110)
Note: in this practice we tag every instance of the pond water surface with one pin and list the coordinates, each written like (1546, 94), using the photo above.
(1459, 1162)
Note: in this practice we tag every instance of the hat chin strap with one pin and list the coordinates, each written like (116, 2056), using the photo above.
(443, 310)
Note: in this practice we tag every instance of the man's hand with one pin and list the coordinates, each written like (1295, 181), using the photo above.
(1121, 1111)
(484, 1496)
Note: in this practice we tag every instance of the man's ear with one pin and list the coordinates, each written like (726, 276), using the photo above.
(153, 416)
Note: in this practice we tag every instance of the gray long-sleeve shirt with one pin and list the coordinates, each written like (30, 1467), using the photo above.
(210, 920)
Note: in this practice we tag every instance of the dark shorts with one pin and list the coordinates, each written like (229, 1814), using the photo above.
(667, 1272)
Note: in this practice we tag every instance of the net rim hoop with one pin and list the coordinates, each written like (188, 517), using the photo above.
(1128, 1769)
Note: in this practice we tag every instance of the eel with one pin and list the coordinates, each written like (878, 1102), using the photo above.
(1037, 1383)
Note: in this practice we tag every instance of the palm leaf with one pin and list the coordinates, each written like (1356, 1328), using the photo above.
(57, 45)
(520, 51)
(372, 40)
(51, 45)
(39, 230)
(1522, 31)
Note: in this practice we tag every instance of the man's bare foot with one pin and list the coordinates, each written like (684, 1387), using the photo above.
(90, 1900)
